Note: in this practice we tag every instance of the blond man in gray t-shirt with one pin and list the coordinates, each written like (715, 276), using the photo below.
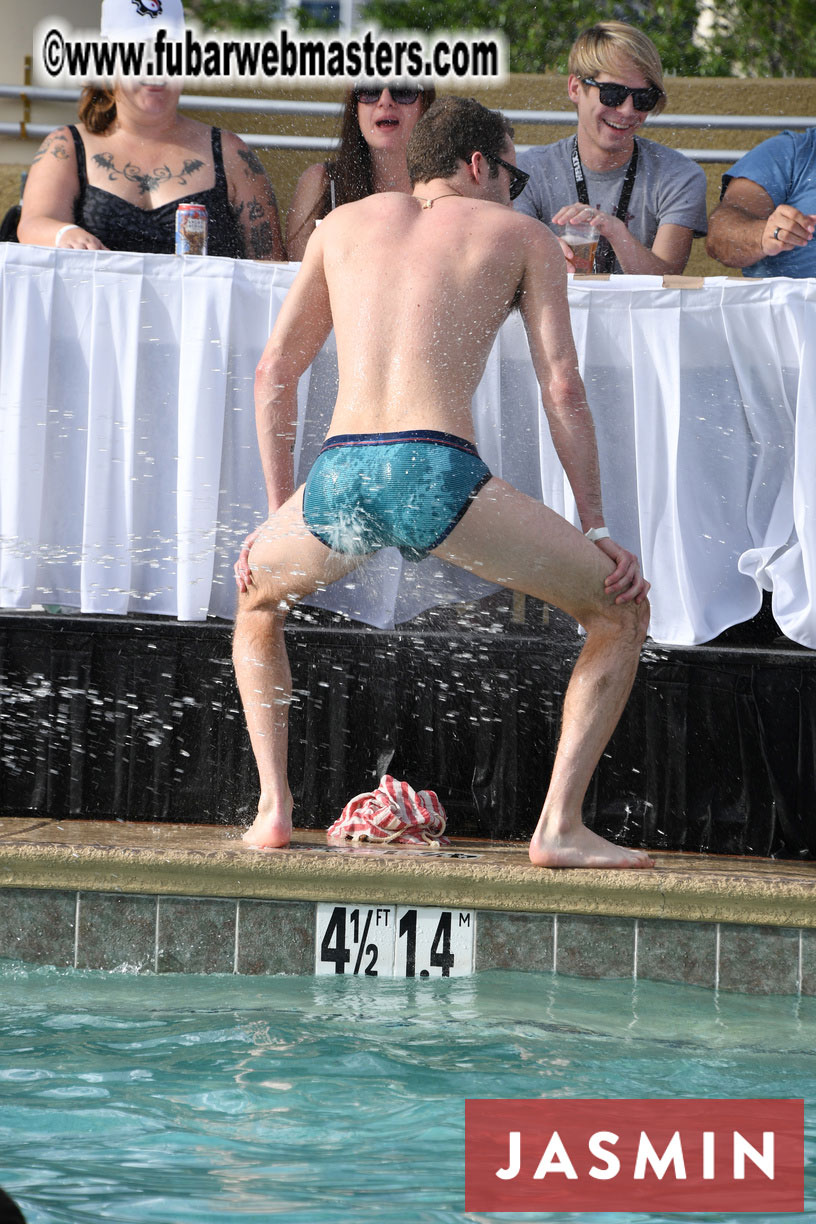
(646, 200)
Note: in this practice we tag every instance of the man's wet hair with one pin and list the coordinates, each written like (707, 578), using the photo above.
(452, 130)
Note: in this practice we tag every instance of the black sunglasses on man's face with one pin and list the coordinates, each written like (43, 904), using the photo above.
(614, 95)
(518, 178)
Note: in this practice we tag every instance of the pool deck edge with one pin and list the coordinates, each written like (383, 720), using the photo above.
(210, 861)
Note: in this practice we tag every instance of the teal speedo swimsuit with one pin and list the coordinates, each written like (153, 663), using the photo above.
(395, 490)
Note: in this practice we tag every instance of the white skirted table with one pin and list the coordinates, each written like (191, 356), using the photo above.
(129, 471)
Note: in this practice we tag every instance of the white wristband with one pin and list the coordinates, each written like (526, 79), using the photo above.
(597, 533)
(63, 230)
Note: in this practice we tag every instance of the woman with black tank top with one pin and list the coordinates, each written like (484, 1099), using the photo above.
(114, 181)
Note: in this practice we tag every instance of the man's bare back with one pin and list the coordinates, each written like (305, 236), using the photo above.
(412, 345)
(416, 288)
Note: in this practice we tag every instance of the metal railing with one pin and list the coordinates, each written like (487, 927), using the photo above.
(27, 94)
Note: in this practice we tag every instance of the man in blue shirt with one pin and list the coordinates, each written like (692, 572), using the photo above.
(766, 219)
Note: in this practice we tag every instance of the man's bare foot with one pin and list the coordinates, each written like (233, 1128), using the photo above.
(583, 848)
(272, 827)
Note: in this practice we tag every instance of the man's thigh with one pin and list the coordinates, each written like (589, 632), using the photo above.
(514, 540)
(287, 562)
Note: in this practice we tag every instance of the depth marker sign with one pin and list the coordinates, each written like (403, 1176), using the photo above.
(393, 941)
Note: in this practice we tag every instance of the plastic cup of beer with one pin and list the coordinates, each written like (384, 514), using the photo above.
(583, 238)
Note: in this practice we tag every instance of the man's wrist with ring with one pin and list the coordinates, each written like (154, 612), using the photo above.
(597, 533)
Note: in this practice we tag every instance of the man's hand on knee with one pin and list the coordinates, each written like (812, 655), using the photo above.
(625, 582)
(243, 574)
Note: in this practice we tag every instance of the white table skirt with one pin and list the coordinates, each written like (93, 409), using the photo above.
(129, 471)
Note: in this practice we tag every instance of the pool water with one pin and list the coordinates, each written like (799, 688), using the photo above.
(325, 1100)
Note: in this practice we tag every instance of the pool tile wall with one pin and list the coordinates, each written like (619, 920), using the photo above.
(192, 899)
(677, 951)
(86, 930)
(760, 960)
(112, 930)
(162, 934)
(38, 925)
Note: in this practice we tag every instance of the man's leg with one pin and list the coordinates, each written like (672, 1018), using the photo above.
(287, 563)
(513, 540)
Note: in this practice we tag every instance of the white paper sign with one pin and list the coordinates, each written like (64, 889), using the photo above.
(393, 941)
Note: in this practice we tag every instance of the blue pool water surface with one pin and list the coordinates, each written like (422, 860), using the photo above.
(325, 1100)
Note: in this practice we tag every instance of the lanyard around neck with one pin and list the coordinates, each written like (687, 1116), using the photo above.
(604, 255)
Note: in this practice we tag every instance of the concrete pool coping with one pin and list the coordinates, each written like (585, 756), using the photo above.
(162, 898)
(210, 861)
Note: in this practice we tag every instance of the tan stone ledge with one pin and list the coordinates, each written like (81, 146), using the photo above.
(208, 861)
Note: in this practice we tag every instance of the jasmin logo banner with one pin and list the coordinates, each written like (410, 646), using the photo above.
(634, 1155)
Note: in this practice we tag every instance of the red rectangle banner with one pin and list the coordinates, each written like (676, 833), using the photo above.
(622, 1155)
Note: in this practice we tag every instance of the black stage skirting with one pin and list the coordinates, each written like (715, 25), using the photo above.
(139, 719)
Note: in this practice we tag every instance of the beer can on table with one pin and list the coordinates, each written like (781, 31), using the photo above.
(191, 229)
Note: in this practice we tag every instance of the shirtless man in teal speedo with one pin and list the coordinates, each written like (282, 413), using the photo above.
(416, 288)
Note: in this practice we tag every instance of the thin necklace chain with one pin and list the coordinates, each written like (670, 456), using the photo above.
(429, 203)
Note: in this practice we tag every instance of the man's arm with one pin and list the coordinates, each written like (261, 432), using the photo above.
(741, 229)
(545, 311)
(669, 252)
(301, 328)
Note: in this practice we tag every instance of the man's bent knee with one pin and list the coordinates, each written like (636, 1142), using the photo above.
(257, 620)
(272, 588)
(627, 623)
(270, 597)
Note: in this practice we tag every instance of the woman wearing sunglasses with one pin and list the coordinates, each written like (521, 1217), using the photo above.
(647, 201)
(378, 118)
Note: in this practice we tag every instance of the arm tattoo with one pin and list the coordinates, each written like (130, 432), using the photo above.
(55, 144)
(254, 165)
(261, 241)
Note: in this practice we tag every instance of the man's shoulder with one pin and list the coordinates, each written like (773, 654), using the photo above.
(531, 241)
(356, 212)
(789, 139)
(783, 149)
(380, 202)
(665, 154)
(550, 170)
(539, 156)
(663, 159)
(525, 225)
(512, 224)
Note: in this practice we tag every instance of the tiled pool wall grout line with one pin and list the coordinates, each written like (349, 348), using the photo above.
(168, 933)
(156, 936)
(76, 931)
